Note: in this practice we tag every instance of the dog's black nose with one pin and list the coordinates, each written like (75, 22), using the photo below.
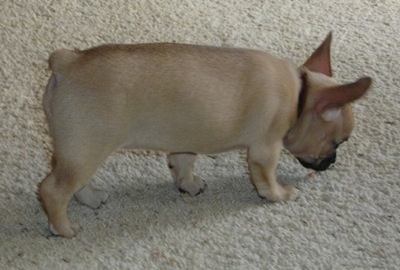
(319, 165)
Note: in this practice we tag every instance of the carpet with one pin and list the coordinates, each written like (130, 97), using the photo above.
(346, 217)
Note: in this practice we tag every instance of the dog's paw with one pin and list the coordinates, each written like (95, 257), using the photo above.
(91, 196)
(68, 230)
(290, 193)
(281, 193)
(194, 187)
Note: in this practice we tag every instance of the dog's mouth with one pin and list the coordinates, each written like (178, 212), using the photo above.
(318, 164)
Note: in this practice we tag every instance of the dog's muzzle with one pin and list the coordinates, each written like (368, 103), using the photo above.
(319, 164)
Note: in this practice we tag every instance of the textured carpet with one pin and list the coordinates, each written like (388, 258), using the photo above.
(346, 218)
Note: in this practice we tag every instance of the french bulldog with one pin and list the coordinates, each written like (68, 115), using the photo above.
(187, 100)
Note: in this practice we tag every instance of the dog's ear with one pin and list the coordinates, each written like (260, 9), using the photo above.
(320, 60)
(331, 100)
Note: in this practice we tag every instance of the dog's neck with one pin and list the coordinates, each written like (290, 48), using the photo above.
(301, 103)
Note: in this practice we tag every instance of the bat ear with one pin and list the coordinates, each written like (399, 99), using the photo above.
(320, 60)
(331, 100)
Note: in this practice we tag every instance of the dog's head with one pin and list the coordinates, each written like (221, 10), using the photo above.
(325, 118)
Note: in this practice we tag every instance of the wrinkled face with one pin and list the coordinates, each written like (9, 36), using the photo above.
(314, 141)
(325, 118)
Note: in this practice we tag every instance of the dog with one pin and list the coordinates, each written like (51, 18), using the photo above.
(187, 100)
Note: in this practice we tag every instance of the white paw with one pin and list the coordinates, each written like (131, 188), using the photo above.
(68, 230)
(194, 187)
(281, 193)
(91, 196)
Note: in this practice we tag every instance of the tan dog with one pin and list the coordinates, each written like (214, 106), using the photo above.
(184, 100)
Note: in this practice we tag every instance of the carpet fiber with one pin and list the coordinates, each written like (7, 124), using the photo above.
(346, 218)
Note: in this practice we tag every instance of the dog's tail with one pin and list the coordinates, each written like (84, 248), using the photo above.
(59, 63)
(61, 60)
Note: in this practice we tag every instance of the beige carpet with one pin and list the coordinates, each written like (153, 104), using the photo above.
(346, 218)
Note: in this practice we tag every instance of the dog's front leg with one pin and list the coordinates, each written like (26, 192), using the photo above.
(181, 166)
(262, 161)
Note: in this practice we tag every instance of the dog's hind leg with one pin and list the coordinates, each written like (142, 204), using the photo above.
(181, 167)
(78, 152)
(68, 177)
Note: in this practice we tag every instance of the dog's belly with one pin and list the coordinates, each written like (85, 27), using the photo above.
(171, 146)
(185, 135)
